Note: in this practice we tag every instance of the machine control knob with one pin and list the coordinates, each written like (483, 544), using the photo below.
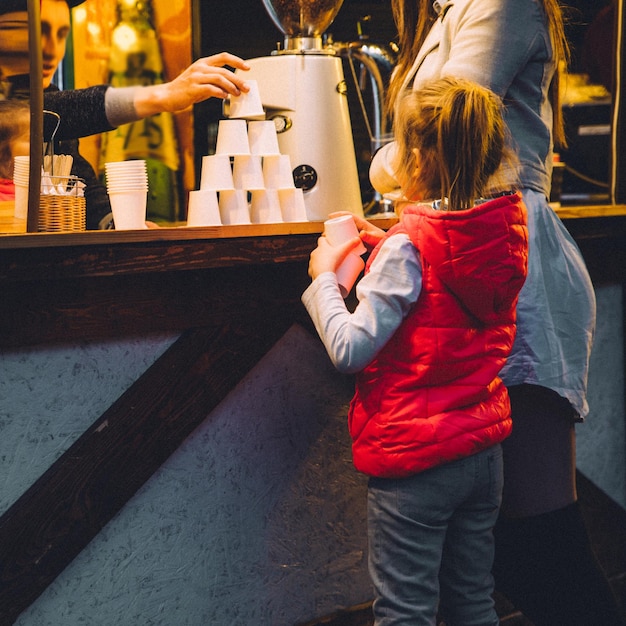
(305, 177)
(282, 123)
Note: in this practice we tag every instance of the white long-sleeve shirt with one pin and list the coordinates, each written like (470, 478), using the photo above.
(385, 294)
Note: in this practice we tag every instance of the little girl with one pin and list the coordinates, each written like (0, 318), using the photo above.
(433, 326)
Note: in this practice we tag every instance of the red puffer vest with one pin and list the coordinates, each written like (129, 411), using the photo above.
(433, 394)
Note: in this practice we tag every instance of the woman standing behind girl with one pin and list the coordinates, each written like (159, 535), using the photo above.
(434, 324)
(517, 48)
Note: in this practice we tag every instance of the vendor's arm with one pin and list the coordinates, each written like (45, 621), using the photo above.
(102, 108)
(204, 79)
(81, 112)
(386, 294)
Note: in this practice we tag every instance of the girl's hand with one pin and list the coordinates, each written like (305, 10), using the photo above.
(370, 234)
(326, 258)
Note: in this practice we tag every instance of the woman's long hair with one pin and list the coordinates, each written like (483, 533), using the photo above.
(414, 19)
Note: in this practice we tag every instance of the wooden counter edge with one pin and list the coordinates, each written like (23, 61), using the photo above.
(183, 233)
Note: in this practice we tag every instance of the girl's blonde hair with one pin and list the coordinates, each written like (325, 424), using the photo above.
(460, 136)
(414, 19)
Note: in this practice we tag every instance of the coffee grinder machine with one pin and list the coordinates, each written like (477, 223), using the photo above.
(303, 90)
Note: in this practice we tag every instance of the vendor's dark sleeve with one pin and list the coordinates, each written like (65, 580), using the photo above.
(82, 112)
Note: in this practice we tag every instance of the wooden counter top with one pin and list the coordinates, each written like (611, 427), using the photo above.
(599, 230)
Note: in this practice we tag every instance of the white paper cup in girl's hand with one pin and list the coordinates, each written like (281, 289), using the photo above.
(348, 272)
(340, 229)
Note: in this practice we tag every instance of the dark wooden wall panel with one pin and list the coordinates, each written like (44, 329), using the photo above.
(66, 508)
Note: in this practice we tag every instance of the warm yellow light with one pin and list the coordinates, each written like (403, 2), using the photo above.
(80, 14)
(124, 37)
(94, 29)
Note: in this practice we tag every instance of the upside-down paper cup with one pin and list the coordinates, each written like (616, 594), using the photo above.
(292, 205)
(277, 172)
(234, 207)
(248, 173)
(263, 138)
(203, 208)
(232, 138)
(217, 172)
(265, 207)
(248, 104)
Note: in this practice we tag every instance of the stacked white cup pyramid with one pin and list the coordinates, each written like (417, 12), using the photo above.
(127, 186)
(247, 180)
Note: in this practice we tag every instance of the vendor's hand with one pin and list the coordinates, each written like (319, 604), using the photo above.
(370, 235)
(327, 258)
(206, 78)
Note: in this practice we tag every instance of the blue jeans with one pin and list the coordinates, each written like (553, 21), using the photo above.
(431, 543)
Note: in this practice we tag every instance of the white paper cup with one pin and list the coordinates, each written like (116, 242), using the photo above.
(203, 208)
(265, 207)
(21, 169)
(131, 183)
(348, 272)
(217, 172)
(132, 165)
(137, 168)
(129, 209)
(340, 229)
(248, 172)
(21, 201)
(126, 177)
(247, 105)
(263, 138)
(277, 172)
(234, 207)
(126, 173)
(292, 205)
(232, 138)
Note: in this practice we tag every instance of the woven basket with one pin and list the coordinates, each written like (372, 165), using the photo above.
(61, 213)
